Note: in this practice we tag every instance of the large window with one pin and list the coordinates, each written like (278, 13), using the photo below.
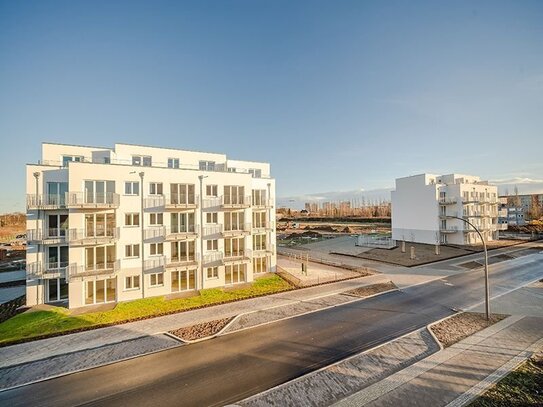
(57, 257)
(142, 160)
(259, 242)
(97, 191)
(259, 219)
(173, 162)
(183, 280)
(57, 225)
(234, 194)
(56, 193)
(131, 188)
(100, 291)
(183, 251)
(234, 274)
(182, 222)
(234, 247)
(234, 220)
(99, 224)
(259, 197)
(69, 158)
(57, 290)
(182, 194)
(207, 166)
(260, 265)
(99, 257)
(155, 188)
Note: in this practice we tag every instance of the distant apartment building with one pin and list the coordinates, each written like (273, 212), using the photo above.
(424, 207)
(117, 224)
(523, 208)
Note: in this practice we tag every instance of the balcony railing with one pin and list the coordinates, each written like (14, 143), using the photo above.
(92, 201)
(47, 270)
(47, 236)
(448, 215)
(212, 229)
(155, 232)
(447, 201)
(262, 203)
(235, 202)
(237, 256)
(105, 268)
(472, 215)
(213, 257)
(448, 229)
(181, 232)
(237, 229)
(155, 265)
(186, 260)
(263, 227)
(180, 201)
(83, 237)
(268, 250)
(45, 201)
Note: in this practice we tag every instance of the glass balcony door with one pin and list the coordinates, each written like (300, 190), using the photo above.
(182, 222)
(99, 224)
(57, 225)
(56, 193)
(97, 191)
(57, 257)
(99, 257)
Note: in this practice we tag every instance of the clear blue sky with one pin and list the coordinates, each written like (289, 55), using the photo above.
(336, 95)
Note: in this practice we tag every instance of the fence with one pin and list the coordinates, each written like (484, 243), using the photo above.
(383, 242)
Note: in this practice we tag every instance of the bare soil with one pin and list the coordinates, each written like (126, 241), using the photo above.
(372, 289)
(199, 331)
(460, 326)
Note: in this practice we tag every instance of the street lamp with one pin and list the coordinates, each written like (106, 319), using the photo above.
(201, 178)
(487, 295)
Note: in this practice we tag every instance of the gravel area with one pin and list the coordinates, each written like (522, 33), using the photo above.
(372, 289)
(460, 326)
(199, 331)
(23, 373)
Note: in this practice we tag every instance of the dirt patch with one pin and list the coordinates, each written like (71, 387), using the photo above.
(471, 265)
(371, 289)
(460, 326)
(199, 331)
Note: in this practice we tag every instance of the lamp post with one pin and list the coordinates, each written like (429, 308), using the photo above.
(37, 177)
(201, 179)
(142, 220)
(487, 294)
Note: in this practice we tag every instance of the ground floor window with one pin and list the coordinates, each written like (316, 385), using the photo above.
(235, 274)
(157, 279)
(132, 283)
(212, 272)
(260, 265)
(57, 290)
(183, 280)
(100, 291)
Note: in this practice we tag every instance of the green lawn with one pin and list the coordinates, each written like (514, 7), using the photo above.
(57, 320)
(521, 387)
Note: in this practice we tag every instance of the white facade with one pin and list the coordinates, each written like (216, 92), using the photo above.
(109, 225)
(424, 207)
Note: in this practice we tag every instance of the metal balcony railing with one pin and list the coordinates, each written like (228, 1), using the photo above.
(47, 236)
(45, 201)
(447, 215)
(105, 268)
(236, 229)
(183, 260)
(212, 229)
(213, 257)
(267, 250)
(83, 237)
(178, 232)
(47, 270)
(180, 201)
(262, 203)
(448, 229)
(92, 201)
(447, 201)
(263, 227)
(235, 202)
(237, 256)
(155, 265)
(154, 232)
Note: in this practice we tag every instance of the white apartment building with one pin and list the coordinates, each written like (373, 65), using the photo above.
(129, 222)
(424, 208)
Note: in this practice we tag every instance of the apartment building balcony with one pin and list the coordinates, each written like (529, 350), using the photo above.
(263, 227)
(213, 229)
(242, 229)
(263, 204)
(155, 265)
(448, 215)
(235, 202)
(447, 201)
(180, 202)
(472, 215)
(213, 258)
(83, 237)
(154, 233)
(47, 236)
(181, 232)
(448, 229)
(45, 201)
(188, 260)
(47, 270)
(99, 269)
(237, 256)
(82, 200)
(266, 251)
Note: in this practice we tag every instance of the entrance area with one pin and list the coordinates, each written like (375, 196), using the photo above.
(57, 290)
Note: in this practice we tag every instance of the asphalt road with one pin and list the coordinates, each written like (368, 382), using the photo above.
(235, 366)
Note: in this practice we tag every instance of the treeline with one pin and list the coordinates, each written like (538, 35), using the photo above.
(12, 219)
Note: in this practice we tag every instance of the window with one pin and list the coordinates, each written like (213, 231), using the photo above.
(183, 251)
(259, 242)
(132, 219)
(234, 247)
(259, 197)
(182, 194)
(142, 160)
(234, 221)
(207, 166)
(100, 258)
(157, 249)
(255, 172)
(100, 291)
(212, 217)
(182, 222)
(132, 250)
(212, 272)
(260, 265)
(156, 219)
(99, 191)
(56, 193)
(69, 158)
(173, 162)
(57, 290)
(211, 190)
(259, 219)
(234, 274)
(99, 224)
(132, 283)
(155, 188)
(157, 279)
(212, 244)
(131, 188)
(183, 280)
(58, 225)
(234, 194)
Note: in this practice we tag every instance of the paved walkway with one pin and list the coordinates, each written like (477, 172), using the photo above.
(96, 338)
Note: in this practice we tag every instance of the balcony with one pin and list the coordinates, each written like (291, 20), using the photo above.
(155, 265)
(212, 258)
(98, 269)
(47, 236)
(187, 260)
(82, 200)
(448, 215)
(47, 270)
(180, 202)
(263, 204)
(181, 232)
(154, 233)
(447, 201)
(235, 202)
(45, 201)
(472, 215)
(241, 229)
(448, 229)
(237, 256)
(212, 229)
(263, 227)
(268, 250)
(82, 237)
